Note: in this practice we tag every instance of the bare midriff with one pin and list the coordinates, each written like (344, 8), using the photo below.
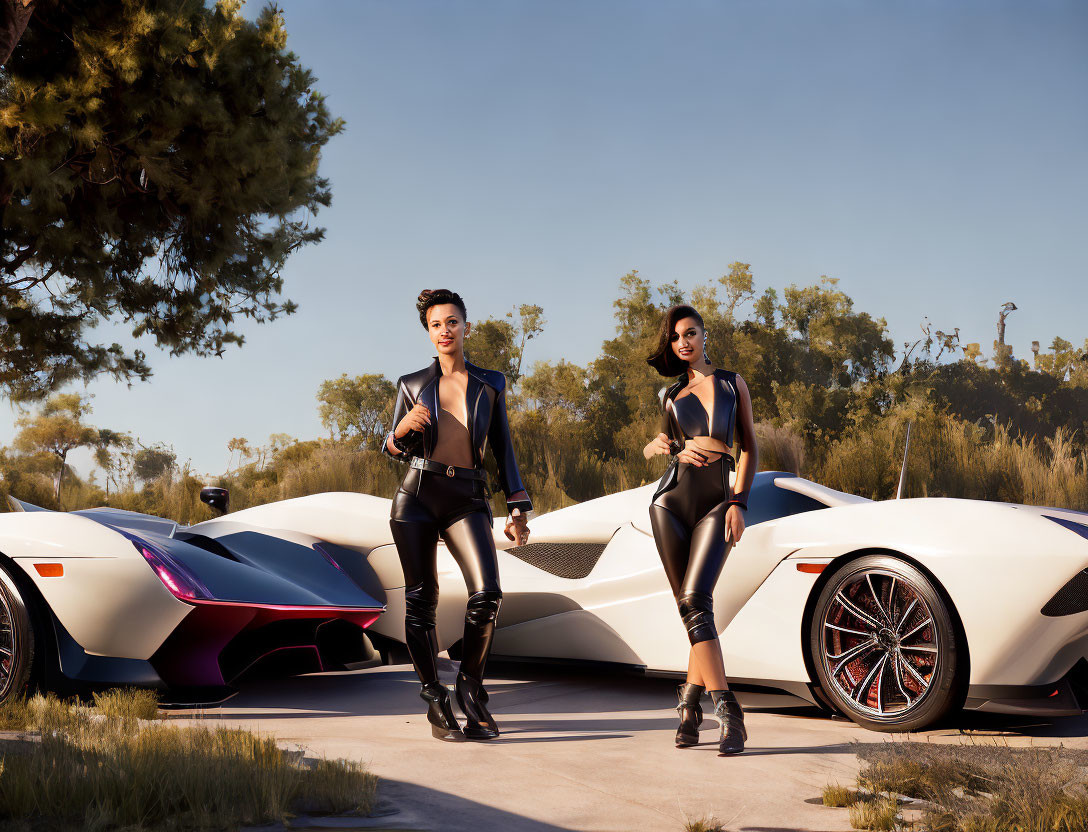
(453, 445)
(708, 446)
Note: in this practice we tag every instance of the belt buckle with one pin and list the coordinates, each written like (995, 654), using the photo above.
(449, 470)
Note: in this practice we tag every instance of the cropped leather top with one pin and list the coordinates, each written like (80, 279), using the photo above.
(485, 400)
(686, 417)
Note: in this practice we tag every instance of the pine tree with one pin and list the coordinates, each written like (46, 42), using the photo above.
(158, 159)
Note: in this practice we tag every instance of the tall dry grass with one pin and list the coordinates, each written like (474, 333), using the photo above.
(104, 768)
(561, 466)
(952, 458)
(780, 449)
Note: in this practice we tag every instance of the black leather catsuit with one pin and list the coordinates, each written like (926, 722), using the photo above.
(433, 503)
(687, 513)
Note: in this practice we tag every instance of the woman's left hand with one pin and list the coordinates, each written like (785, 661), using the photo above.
(516, 521)
(734, 524)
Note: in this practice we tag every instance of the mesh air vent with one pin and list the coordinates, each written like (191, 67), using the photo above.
(1071, 598)
(564, 560)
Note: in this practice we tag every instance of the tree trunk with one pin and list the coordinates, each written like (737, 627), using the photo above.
(59, 478)
(14, 15)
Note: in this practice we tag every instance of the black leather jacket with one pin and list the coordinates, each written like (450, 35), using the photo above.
(486, 407)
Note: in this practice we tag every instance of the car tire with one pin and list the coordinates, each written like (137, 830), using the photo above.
(885, 647)
(17, 641)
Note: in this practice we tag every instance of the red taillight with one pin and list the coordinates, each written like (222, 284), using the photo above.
(175, 576)
(179, 580)
(171, 584)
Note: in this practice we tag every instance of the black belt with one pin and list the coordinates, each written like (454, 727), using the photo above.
(449, 470)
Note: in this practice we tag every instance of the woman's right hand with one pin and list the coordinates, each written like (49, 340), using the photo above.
(414, 419)
(692, 456)
(658, 445)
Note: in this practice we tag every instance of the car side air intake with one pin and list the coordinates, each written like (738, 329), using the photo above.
(1070, 599)
(1073, 597)
(564, 560)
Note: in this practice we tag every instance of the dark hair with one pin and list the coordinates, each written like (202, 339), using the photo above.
(433, 297)
(663, 359)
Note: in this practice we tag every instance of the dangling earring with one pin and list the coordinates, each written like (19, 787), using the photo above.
(705, 359)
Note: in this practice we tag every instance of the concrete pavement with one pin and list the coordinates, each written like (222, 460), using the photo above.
(580, 751)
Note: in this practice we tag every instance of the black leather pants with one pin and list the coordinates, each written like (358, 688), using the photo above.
(688, 522)
(428, 505)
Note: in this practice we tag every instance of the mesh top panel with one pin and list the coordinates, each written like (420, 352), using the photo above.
(564, 560)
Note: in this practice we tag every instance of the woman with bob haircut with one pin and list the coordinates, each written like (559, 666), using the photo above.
(695, 516)
(443, 415)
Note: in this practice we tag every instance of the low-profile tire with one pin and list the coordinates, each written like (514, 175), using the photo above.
(884, 645)
(16, 640)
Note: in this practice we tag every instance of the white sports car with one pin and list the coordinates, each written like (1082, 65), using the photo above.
(893, 613)
(104, 597)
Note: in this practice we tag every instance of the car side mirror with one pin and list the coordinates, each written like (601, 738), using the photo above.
(216, 497)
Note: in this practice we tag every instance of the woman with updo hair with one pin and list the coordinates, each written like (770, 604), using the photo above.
(443, 416)
(694, 514)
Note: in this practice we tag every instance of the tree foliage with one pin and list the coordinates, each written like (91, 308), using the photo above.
(357, 407)
(159, 161)
(831, 395)
(150, 463)
(57, 429)
(492, 343)
(499, 344)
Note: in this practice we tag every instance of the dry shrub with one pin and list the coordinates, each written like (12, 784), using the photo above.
(839, 796)
(706, 824)
(41, 712)
(874, 814)
(980, 788)
(336, 786)
(128, 704)
(929, 779)
(14, 715)
(780, 448)
(337, 467)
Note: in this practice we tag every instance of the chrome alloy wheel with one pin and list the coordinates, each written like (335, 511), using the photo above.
(879, 643)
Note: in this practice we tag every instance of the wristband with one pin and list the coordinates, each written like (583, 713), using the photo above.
(525, 506)
(398, 444)
(738, 503)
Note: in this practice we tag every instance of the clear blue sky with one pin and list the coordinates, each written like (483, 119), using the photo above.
(931, 155)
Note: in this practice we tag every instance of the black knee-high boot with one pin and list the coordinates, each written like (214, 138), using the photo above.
(691, 714)
(419, 634)
(422, 643)
(480, 614)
